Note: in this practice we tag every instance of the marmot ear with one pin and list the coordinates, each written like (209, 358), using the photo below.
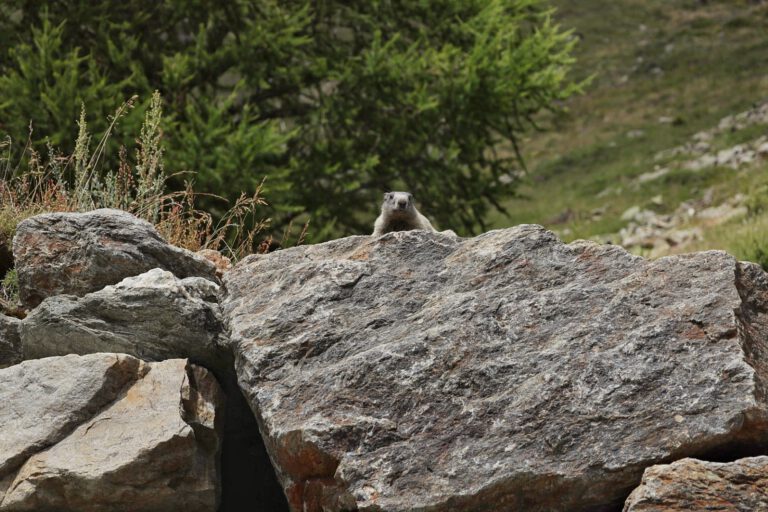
(410, 196)
(387, 195)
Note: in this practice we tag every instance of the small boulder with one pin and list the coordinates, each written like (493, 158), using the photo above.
(691, 484)
(78, 253)
(109, 432)
(152, 316)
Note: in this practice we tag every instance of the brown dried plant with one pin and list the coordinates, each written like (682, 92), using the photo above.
(58, 183)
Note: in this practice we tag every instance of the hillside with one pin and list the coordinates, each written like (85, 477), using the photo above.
(665, 143)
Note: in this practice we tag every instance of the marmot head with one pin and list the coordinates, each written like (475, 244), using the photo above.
(398, 203)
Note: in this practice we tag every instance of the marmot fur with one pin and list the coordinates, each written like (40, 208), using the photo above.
(399, 214)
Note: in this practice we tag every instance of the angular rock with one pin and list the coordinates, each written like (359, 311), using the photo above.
(690, 484)
(44, 400)
(10, 340)
(153, 316)
(420, 371)
(156, 316)
(77, 253)
(109, 432)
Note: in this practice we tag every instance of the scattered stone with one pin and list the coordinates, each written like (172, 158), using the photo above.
(735, 156)
(656, 174)
(758, 114)
(699, 147)
(78, 253)
(153, 446)
(635, 134)
(703, 136)
(679, 237)
(722, 213)
(669, 153)
(10, 340)
(635, 214)
(630, 213)
(691, 484)
(657, 233)
(44, 400)
(509, 371)
(703, 162)
(153, 316)
(609, 191)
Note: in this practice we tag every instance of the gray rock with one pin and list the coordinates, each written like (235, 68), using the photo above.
(44, 400)
(153, 316)
(10, 340)
(156, 316)
(420, 371)
(154, 446)
(690, 485)
(77, 253)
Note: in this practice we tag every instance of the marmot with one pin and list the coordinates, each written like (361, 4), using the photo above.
(399, 214)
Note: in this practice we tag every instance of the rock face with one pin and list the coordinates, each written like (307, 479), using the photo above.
(420, 371)
(690, 484)
(10, 340)
(77, 253)
(108, 432)
(153, 316)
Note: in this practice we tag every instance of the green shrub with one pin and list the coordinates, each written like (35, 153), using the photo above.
(334, 102)
(32, 184)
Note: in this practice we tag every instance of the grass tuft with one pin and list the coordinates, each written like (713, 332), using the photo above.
(31, 184)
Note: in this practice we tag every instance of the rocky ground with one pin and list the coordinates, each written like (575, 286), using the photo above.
(413, 371)
(653, 229)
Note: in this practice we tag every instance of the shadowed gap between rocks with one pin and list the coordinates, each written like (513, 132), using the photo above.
(248, 479)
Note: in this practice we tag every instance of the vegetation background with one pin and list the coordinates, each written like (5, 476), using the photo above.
(677, 83)
(334, 103)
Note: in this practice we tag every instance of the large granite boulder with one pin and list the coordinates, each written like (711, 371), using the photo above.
(108, 432)
(77, 253)
(153, 316)
(10, 340)
(420, 371)
(694, 485)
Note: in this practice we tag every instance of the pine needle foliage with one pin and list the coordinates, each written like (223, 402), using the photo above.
(334, 102)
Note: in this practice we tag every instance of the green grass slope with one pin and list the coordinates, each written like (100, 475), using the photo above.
(664, 71)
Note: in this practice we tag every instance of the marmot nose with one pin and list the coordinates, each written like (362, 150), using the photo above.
(401, 204)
